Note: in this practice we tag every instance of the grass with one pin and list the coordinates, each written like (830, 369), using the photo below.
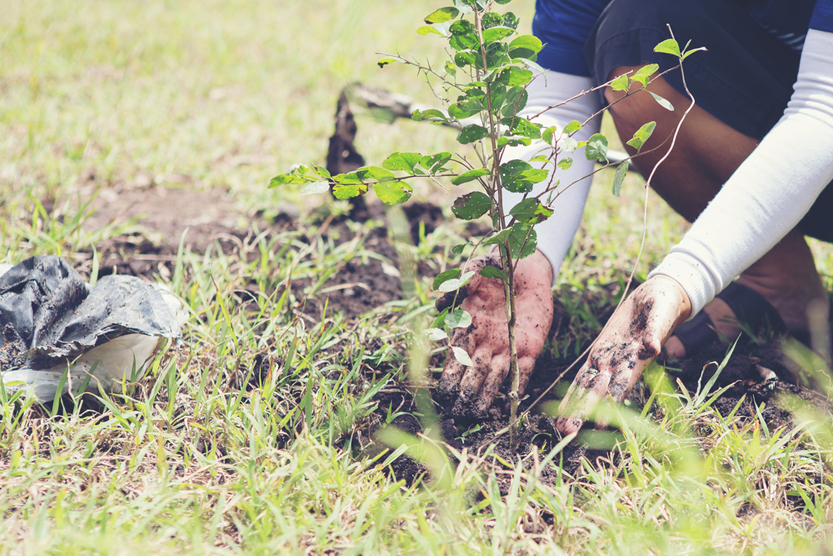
(253, 437)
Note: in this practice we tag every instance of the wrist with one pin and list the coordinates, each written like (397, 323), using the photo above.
(672, 287)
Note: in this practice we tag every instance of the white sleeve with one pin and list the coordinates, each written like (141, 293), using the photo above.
(770, 192)
(555, 235)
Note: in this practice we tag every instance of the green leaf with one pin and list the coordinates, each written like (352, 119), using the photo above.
(565, 163)
(519, 176)
(499, 238)
(403, 161)
(620, 83)
(392, 192)
(348, 190)
(457, 250)
(434, 162)
(458, 318)
(420, 115)
(496, 33)
(530, 211)
(642, 135)
(492, 272)
(315, 187)
(444, 276)
(514, 76)
(525, 46)
(541, 158)
(668, 46)
(428, 29)
(450, 69)
(435, 334)
(441, 15)
(513, 141)
(471, 205)
(573, 126)
(385, 61)
(375, 173)
(527, 129)
(523, 240)
(461, 356)
(463, 59)
(642, 74)
(596, 148)
(619, 178)
(283, 179)
(455, 283)
(662, 102)
(513, 101)
(472, 133)
(471, 175)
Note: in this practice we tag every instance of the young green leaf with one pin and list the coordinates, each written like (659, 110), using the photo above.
(572, 127)
(642, 135)
(662, 102)
(457, 250)
(525, 46)
(496, 33)
(458, 318)
(668, 46)
(434, 162)
(392, 192)
(461, 356)
(447, 275)
(499, 238)
(441, 15)
(619, 178)
(523, 241)
(471, 175)
(471, 205)
(492, 272)
(375, 173)
(620, 83)
(530, 211)
(565, 163)
(642, 74)
(596, 148)
(420, 115)
(519, 176)
(472, 133)
(349, 189)
(385, 61)
(403, 161)
(435, 334)
(436, 29)
(455, 283)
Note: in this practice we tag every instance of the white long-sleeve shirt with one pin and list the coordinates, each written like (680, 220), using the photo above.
(765, 198)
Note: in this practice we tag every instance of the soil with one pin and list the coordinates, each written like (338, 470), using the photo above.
(162, 215)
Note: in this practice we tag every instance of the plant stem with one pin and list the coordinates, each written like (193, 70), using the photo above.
(505, 255)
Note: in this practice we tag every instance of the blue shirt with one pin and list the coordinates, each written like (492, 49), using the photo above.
(564, 26)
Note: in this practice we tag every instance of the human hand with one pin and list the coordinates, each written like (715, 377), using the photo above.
(632, 338)
(486, 340)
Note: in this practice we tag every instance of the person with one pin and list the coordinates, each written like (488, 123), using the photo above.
(750, 168)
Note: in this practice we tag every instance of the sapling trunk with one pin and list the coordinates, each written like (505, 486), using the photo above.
(514, 396)
(505, 254)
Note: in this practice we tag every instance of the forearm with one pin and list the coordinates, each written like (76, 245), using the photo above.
(555, 235)
(775, 187)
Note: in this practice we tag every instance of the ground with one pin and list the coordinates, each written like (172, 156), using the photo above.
(265, 431)
(362, 286)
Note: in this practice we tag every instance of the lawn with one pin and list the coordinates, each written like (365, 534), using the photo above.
(140, 137)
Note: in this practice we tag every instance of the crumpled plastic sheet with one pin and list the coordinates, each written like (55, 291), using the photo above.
(58, 334)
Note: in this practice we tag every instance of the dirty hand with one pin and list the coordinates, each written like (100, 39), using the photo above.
(486, 340)
(632, 338)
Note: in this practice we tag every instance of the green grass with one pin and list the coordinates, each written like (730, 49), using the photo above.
(249, 439)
